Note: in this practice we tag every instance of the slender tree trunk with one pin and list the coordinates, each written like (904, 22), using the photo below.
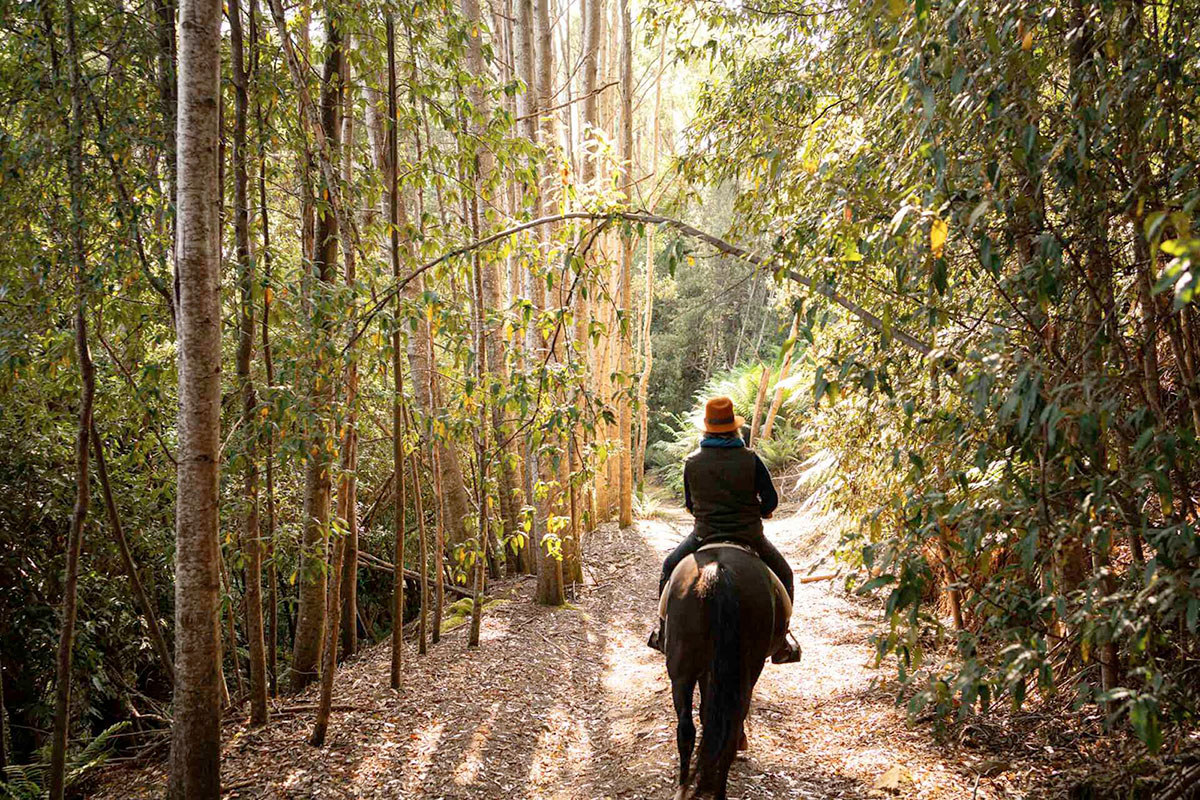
(251, 539)
(441, 549)
(549, 567)
(592, 12)
(157, 640)
(329, 647)
(483, 350)
(489, 299)
(272, 632)
(624, 409)
(222, 683)
(312, 614)
(231, 629)
(348, 488)
(87, 391)
(348, 512)
(763, 381)
(195, 732)
(648, 308)
(165, 57)
(423, 556)
(783, 373)
(484, 534)
(524, 58)
(513, 192)
(397, 371)
(3, 727)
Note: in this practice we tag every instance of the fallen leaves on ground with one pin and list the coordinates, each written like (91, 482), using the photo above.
(570, 703)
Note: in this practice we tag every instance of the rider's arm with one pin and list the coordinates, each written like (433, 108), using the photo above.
(768, 499)
(687, 492)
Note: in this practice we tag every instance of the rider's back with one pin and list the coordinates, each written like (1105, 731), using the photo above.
(721, 486)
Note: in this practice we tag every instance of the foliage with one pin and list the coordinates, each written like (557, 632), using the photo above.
(682, 432)
(1014, 185)
(27, 781)
(540, 392)
(711, 314)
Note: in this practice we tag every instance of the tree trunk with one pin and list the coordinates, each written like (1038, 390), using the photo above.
(783, 373)
(549, 566)
(480, 296)
(648, 300)
(87, 391)
(348, 488)
(393, 189)
(489, 299)
(589, 14)
(423, 555)
(442, 511)
(524, 58)
(484, 534)
(272, 632)
(195, 732)
(420, 342)
(251, 540)
(624, 410)
(157, 640)
(312, 613)
(164, 28)
(329, 647)
(3, 727)
(763, 380)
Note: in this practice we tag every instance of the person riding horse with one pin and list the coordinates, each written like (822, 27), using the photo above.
(729, 492)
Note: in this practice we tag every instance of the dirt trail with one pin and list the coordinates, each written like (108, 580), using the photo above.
(570, 703)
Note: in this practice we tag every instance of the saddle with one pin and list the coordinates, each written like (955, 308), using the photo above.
(781, 596)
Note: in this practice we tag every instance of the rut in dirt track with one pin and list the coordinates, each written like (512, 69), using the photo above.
(570, 703)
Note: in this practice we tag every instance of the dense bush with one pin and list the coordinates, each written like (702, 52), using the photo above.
(993, 202)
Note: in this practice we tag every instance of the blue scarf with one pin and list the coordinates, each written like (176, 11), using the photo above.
(722, 441)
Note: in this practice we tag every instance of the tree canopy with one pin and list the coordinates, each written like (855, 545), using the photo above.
(476, 264)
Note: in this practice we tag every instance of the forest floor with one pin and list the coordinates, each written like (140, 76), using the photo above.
(570, 703)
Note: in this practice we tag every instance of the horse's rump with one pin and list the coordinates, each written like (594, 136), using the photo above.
(699, 577)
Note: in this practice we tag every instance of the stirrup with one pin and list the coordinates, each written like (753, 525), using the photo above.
(655, 640)
(789, 652)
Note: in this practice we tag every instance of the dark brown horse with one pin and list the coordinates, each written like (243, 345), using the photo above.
(723, 619)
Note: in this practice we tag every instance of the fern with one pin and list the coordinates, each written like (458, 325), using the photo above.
(27, 781)
(95, 754)
(786, 446)
(22, 782)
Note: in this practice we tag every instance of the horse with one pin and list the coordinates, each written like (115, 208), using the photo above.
(723, 618)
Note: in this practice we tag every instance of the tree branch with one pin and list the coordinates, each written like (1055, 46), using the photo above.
(715, 242)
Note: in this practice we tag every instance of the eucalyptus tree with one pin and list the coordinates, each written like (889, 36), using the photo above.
(251, 538)
(195, 731)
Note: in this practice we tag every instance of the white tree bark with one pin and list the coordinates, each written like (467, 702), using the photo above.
(624, 409)
(195, 733)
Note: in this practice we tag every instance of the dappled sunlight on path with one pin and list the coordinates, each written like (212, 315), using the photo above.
(570, 703)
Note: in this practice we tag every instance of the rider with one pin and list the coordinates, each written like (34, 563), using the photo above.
(728, 490)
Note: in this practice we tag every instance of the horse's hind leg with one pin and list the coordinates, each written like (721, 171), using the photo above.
(685, 728)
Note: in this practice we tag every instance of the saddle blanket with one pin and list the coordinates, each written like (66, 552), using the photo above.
(780, 591)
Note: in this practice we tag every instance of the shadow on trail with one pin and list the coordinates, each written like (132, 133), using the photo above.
(566, 704)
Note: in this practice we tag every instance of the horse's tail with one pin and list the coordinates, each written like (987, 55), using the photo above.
(722, 706)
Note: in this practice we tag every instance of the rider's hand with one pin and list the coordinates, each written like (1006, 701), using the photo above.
(768, 516)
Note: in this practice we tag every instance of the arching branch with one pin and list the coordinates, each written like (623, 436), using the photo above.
(646, 218)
